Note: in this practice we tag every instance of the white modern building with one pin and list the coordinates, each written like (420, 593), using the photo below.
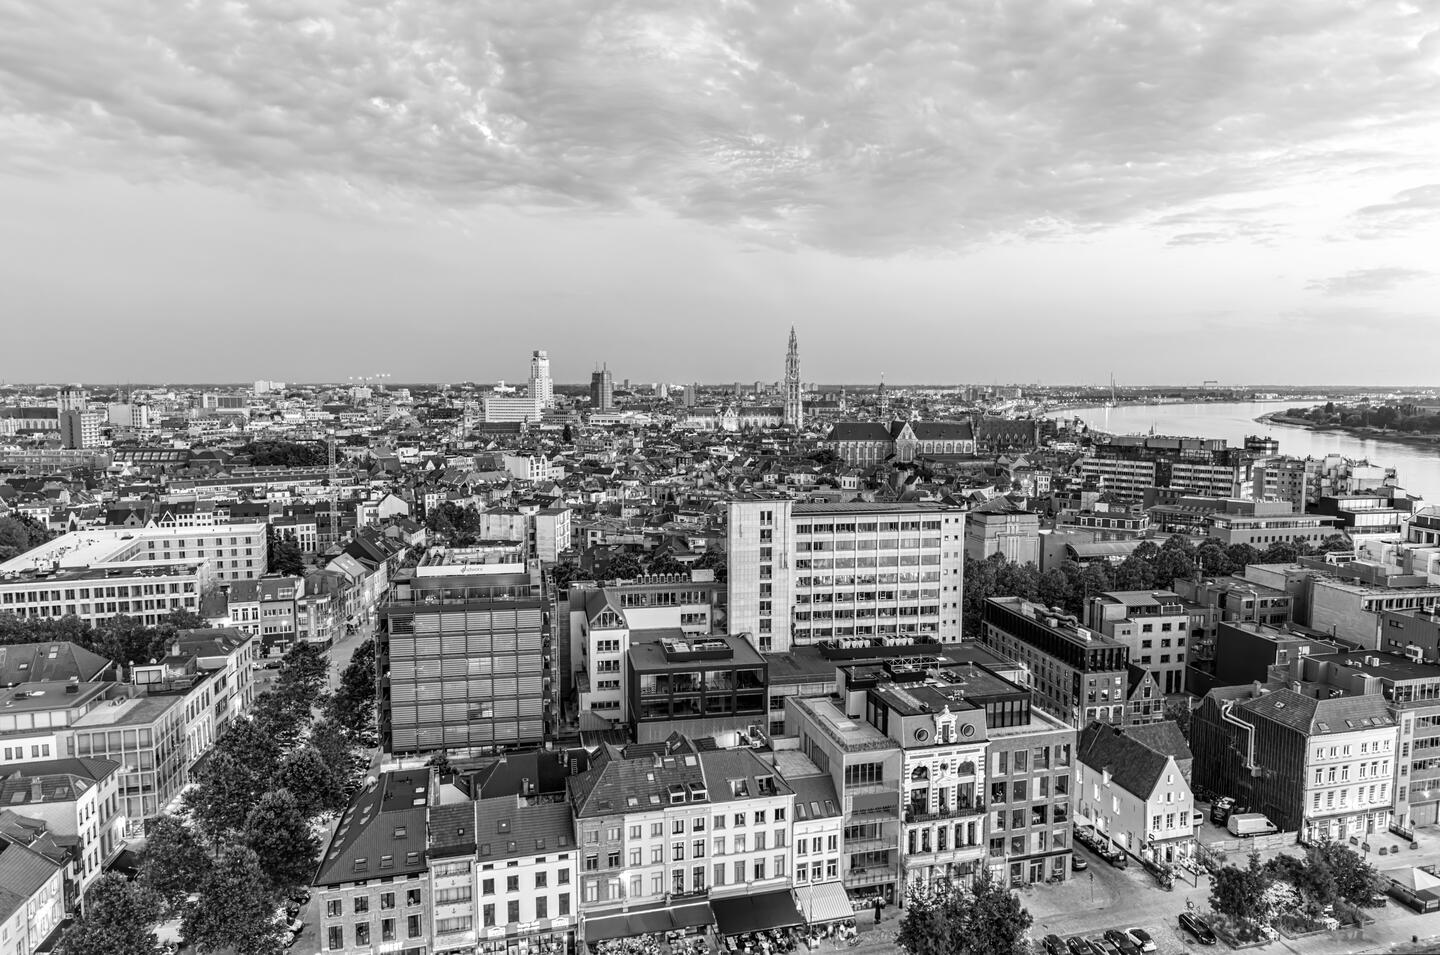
(541, 388)
(802, 573)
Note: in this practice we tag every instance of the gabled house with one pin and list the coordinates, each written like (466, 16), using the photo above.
(1133, 792)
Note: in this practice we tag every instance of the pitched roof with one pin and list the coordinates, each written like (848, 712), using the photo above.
(508, 828)
(858, 431)
(56, 661)
(1163, 737)
(1133, 766)
(942, 430)
(1340, 714)
(382, 832)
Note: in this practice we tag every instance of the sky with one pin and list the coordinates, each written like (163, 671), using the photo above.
(1020, 191)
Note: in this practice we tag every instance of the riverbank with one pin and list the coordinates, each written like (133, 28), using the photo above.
(1430, 441)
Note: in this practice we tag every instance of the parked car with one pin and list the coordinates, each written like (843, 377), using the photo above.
(1077, 945)
(1247, 824)
(300, 896)
(1197, 818)
(1142, 939)
(1197, 928)
(1220, 810)
(1118, 859)
(1101, 946)
(1054, 945)
(1122, 942)
(1078, 864)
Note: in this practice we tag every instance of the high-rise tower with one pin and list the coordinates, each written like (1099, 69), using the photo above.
(794, 408)
(540, 387)
(602, 390)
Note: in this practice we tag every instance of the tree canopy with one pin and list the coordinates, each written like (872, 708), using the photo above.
(120, 918)
(952, 918)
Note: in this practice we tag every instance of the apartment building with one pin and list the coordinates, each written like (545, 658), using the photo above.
(465, 656)
(1128, 464)
(1322, 767)
(1154, 625)
(1000, 527)
(234, 552)
(819, 834)
(526, 865)
(1131, 789)
(715, 687)
(853, 573)
(603, 619)
(78, 798)
(1078, 674)
(267, 607)
(36, 716)
(81, 428)
(664, 828)
(32, 886)
(96, 595)
(373, 884)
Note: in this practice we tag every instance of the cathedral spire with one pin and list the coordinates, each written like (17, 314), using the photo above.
(794, 407)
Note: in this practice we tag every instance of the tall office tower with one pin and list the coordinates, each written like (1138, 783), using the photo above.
(464, 653)
(80, 429)
(805, 573)
(690, 391)
(794, 410)
(541, 388)
(602, 390)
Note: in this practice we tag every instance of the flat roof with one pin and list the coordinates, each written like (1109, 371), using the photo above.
(863, 507)
(129, 712)
(912, 699)
(1385, 665)
(647, 651)
(842, 728)
(35, 697)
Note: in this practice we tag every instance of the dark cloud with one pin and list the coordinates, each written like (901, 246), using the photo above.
(1366, 281)
(866, 127)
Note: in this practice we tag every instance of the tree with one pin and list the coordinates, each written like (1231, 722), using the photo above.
(236, 907)
(336, 746)
(174, 862)
(666, 564)
(1355, 879)
(127, 640)
(279, 833)
(353, 703)
(947, 918)
(241, 768)
(1173, 564)
(285, 555)
(20, 533)
(1240, 893)
(286, 454)
(621, 565)
(317, 786)
(120, 918)
(183, 620)
(713, 560)
(441, 764)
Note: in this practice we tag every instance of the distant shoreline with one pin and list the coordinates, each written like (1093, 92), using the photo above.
(1364, 434)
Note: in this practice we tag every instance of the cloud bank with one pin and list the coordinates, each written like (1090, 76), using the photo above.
(866, 127)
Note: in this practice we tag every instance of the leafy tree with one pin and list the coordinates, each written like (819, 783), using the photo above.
(947, 918)
(353, 703)
(127, 640)
(1173, 564)
(183, 620)
(1135, 573)
(1240, 893)
(713, 560)
(240, 769)
(441, 763)
(236, 907)
(1053, 589)
(316, 786)
(304, 671)
(1355, 879)
(286, 454)
(120, 918)
(279, 833)
(621, 566)
(1280, 552)
(666, 564)
(174, 862)
(20, 533)
(285, 555)
(335, 745)
(1333, 543)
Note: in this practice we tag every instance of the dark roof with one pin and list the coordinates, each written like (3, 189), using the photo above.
(545, 772)
(1163, 737)
(509, 828)
(51, 662)
(452, 830)
(1133, 766)
(634, 779)
(940, 430)
(382, 832)
(52, 780)
(858, 431)
(1340, 714)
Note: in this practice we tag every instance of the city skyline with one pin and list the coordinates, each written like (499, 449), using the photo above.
(942, 193)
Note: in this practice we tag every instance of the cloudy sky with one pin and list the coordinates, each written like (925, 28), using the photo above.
(1242, 190)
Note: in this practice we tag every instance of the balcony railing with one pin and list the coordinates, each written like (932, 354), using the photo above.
(951, 812)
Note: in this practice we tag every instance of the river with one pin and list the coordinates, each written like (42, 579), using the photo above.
(1417, 469)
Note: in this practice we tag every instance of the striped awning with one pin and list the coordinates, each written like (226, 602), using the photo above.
(826, 902)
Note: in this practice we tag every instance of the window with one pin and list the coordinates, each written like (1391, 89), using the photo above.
(362, 933)
(542, 908)
(412, 926)
(512, 911)
(387, 900)
(362, 904)
(412, 897)
(336, 940)
(489, 916)
(512, 883)
(334, 908)
(387, 930)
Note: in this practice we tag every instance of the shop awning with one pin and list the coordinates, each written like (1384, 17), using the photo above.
(648, 921)
(826, 902)
(756, 913)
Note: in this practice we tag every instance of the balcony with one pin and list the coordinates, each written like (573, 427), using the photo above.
(872, 875)
(949, 812)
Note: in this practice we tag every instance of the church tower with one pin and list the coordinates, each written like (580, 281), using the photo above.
(794, 409)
